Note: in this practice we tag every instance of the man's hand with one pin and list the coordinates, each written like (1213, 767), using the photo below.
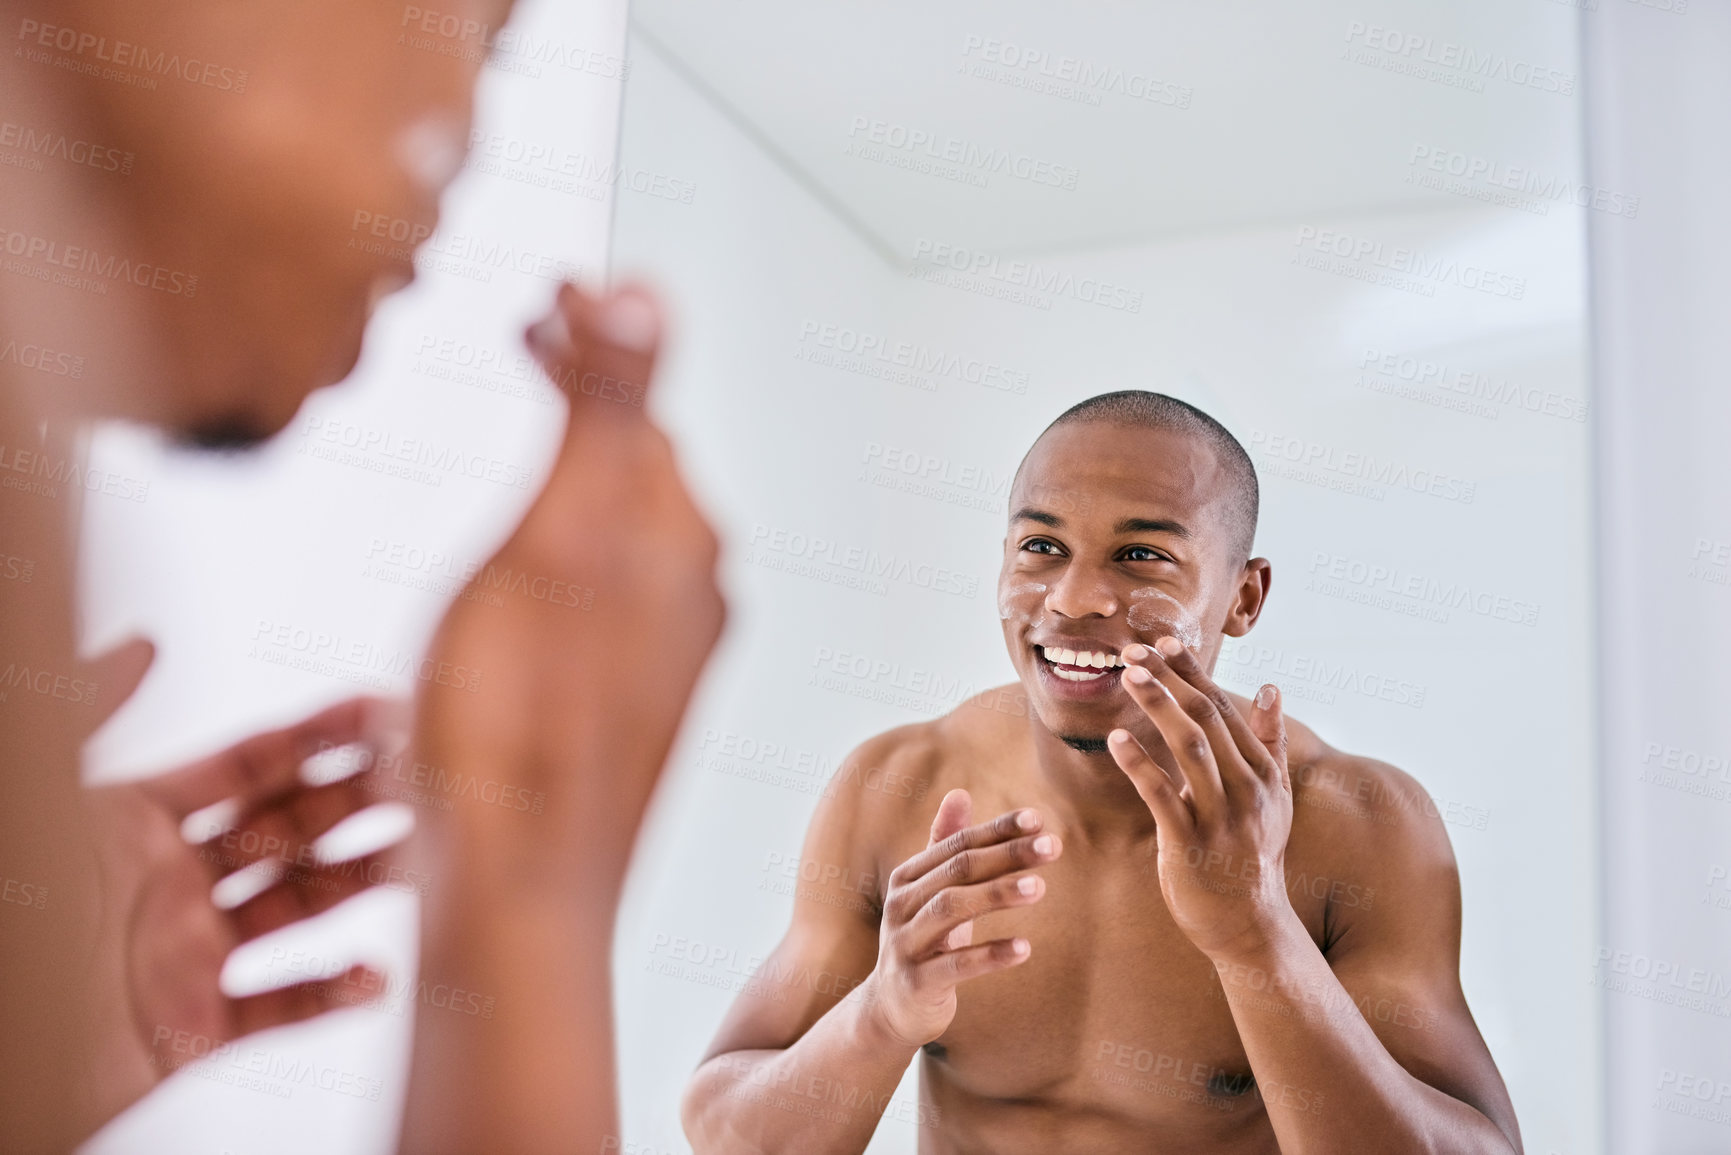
(572, 689)
(926, 942)
(1224, 805)
(575, 686)
(165, 940)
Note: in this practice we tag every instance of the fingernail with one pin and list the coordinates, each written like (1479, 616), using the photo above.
(1019, 946)
(1169, 647)
(1265, 698)
(550, 335)
(1043, 844)
(1138, 675)
(629, 320)
(335, 763)
(1134, 652)
(1027, 884)
(217, 818)
(1027, 820)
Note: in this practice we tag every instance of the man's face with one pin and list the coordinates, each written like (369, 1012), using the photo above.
(288, 154)
(1117, 535)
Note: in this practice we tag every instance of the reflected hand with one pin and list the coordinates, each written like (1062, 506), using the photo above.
(925, 945)
(1223, 808)
(164, 938)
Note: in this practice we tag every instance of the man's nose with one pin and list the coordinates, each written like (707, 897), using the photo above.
(1082, 592)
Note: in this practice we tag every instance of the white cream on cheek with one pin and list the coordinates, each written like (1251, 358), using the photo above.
(1027, 598)
(1152, 609)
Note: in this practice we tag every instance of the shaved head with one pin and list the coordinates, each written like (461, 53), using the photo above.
(1142, 409)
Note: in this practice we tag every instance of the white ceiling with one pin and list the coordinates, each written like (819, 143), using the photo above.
(1281, 125)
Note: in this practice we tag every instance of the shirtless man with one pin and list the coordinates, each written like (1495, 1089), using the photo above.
(1191, 926)
(188, 242)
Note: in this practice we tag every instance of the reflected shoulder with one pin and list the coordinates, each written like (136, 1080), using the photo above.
(999, 714)
(892, 775)
(1366, 808)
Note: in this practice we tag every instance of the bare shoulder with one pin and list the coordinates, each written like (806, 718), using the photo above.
(920, 761)
(1392, 934)
(885, 793)
(1366, 820)
(892, 774)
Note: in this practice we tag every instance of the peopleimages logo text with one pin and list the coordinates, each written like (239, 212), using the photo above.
(1412, 262)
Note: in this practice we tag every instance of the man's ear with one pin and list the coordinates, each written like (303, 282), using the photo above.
(1249, 598)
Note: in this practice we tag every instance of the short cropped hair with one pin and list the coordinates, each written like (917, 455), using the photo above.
(1142, 409)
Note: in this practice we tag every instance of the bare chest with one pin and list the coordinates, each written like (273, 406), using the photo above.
(1114, 1013)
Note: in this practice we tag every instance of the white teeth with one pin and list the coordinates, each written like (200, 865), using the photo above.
(1087, 659)
(1077, 675)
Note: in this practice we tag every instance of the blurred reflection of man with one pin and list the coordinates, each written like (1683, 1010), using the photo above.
(180, 187)
(1190, 926)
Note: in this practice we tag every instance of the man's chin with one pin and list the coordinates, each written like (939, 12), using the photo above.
(1080, 726)
(231, 433)
(236, 423)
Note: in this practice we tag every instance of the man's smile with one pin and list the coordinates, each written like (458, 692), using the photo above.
(1092, 669)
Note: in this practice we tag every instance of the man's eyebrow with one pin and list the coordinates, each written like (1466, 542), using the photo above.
(1029, 513)
(1152, 525)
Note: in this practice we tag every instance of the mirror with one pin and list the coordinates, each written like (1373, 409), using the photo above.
(898, 242)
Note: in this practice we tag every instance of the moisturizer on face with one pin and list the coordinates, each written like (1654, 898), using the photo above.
(1019, 597)
(1152, 610)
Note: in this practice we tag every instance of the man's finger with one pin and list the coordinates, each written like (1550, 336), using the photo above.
(358, 986)
(1173, 816)
(1253, 752)
(954, 813)
(955, 907)
(958, 966)
(268, 764)
(978, 865)
(953, 816)
(117, 674)
(1268, 724)
(286, 828)
(1190, 743)
(599, 349)
(304, 891)
(1004, 827)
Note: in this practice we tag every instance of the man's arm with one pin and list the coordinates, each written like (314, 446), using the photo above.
(1330, 1081)
(786, 1046)
(556, 702)
(48, 865)
(1379, 1031)
(779, 1038)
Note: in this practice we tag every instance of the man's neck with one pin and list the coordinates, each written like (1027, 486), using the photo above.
(1094, 799)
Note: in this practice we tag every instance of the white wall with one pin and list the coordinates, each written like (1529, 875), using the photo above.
(778, 440)
(1228, 321)
(1659, 91)
(288, 538)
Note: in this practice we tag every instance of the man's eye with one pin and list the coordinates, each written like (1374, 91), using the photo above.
(1143, 553)
(1040, 545)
